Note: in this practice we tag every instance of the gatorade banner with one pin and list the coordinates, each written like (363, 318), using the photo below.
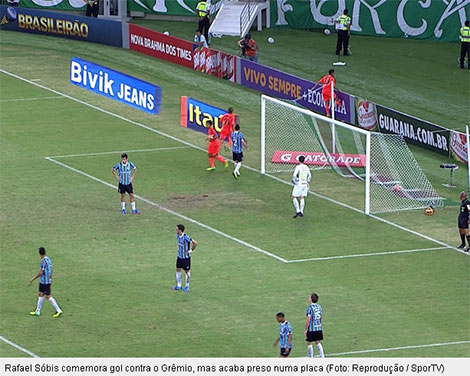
(427, 19)
(319, 159)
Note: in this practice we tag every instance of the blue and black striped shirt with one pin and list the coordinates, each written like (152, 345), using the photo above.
(237, 145)
(285, 329)
(314, 311)
(184, 245)
(46, 267)
(125, 172)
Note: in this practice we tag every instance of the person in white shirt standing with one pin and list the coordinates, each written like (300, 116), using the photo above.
(301, 179)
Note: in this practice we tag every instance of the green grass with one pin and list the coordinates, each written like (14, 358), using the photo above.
(113, 273)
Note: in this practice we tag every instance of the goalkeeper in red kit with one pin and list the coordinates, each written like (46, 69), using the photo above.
(228, 123)
(326, 90)
(214, 147)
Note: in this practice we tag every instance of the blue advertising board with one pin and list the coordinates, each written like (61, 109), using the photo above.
(62, 25)
(116, 85)
(195, 114)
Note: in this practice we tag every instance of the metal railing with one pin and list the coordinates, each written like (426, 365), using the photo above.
(246, 14)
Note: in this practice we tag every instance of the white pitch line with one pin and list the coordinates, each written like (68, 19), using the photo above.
(400, 348)
(246, 166)
(200, 224)
(29, 99)
(366, 254)
(18, 347)
(119, 152)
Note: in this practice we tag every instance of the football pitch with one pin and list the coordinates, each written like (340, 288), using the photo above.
(390, 285)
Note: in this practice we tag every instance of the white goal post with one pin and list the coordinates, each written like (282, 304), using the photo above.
(376, 170)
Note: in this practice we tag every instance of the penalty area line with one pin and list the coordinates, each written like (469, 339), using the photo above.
(169, 211)
(119, 152)
(18, 347)
(366, 254)
(400, 348)
(247, 167)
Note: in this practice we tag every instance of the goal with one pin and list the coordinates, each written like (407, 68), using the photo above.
(371, 171)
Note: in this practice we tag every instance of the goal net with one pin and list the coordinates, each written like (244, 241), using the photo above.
(373, 172)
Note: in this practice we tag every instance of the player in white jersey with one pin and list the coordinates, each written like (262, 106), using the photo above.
(301, 179)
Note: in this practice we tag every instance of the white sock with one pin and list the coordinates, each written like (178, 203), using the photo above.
(123, 205)
(237, 167)
(133, 205)
(320, 350)
(178, 279)
(54, 304)
(302, 205)
(188, 274)
(40, 301)
(310, 351)
(296, 204)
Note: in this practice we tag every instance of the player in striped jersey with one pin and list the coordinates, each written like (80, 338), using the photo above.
(45, 275)
(238, 141)
(301, 179)
(285, 335)
(186, 246)
(313, 326)
(124, 172)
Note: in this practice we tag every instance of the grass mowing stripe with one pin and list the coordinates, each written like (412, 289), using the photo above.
(242, 242)
(251, 168)
(401, 348)
(29, 99)
(367, 254)
(118, 152)
(18, 347)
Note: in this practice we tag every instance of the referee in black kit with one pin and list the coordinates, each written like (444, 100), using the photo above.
(463, 220)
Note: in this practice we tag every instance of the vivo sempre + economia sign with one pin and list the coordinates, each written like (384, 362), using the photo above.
(116, 85)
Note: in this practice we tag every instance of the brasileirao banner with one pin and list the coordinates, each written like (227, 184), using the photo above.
(425, 19)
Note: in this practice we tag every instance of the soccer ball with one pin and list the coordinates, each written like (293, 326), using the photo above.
(397, 188)
(270, 40)
(429, 210)
(327, 32)
(166, 33)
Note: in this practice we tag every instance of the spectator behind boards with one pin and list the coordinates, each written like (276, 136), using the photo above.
(92, 8)
(249, 48)
(202, 11)
(200, 40)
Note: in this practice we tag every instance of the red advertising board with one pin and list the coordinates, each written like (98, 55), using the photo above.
(161, 46)
(319, 159)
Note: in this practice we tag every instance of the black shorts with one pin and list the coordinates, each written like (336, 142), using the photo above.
(463, 221)
(125, 188)
(45, 289)
(184, 264)
(237, 157)
(314, 336)
(283, 351)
